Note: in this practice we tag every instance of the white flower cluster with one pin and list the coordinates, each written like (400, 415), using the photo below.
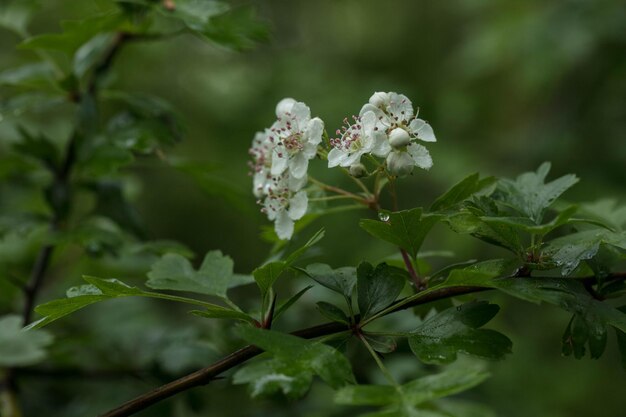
(280, 159)
(386, 127)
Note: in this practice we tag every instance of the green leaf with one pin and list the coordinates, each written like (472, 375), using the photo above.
(438, 339)
(239, 29)
(266, 378)
(174, 272)
(378, 287)
(581, 332)
(566, 293)
(99, 290)
(146, 124)
(39, 147)
(527, 225)
(314, 356)
(406, 229)
(196, 14)
(15, 15)
(75, 33)
(405, 400)
(39, 75)
(381, 344)
(92, 53)
(113, 203)
(319, 235)
(621, 340)
(461, 191)
(332, 312)
(607, 211)
(529, 195)
(20, 347)
(568, 251)
(217, 312)
(502, 235)
(267, 274)
(341, 280)
(289, 302)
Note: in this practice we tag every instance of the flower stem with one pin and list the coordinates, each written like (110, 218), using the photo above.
(338, 190)
(380, 363)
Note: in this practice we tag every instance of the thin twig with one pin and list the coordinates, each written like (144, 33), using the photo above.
(205, 375)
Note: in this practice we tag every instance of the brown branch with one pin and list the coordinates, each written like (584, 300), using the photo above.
(205, 375)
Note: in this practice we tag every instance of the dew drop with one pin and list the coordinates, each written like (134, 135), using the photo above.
(384, 217)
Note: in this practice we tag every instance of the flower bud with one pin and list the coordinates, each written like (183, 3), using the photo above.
(399, 138)
(400, 163)
(284, 106)
(379, 99)
(358, 170)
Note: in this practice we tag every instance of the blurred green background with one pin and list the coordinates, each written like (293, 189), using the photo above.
(505, 85)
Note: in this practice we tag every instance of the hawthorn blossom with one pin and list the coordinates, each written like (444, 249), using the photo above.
(357, 139)
(284, 203)
(261, 165)
(296, 136)
(395, 117)
(280, 157)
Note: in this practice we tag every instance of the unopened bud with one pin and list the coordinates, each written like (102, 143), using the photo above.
(400, 163)
(399, 138)
(358, 170)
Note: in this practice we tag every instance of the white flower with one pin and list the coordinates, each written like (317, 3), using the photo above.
(359, 138)
(397, 112)
(280, 157)
(395, 117)
(285, 203)
(296, 137)
(261, 152)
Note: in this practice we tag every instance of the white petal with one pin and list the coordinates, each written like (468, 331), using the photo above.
(379, 99)
(296, 184)
(353, 158)
(298, 205)
(369, 107)
(381, 144)
(368, 120)
(336, 157)
(400, 163)
(298, 165)
(284, 106)
(422, 130)
(314, 130)
(301, 113)
(283, 226)
(259, 183)
(420, 155)
(309, 150)
(270, 209)
(279, 163)
(400, 106)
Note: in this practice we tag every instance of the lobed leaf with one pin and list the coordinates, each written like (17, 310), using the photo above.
(439, 338)
(406, 229)
(378, 287)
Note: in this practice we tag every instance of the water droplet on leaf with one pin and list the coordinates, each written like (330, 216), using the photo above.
(384, 217)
